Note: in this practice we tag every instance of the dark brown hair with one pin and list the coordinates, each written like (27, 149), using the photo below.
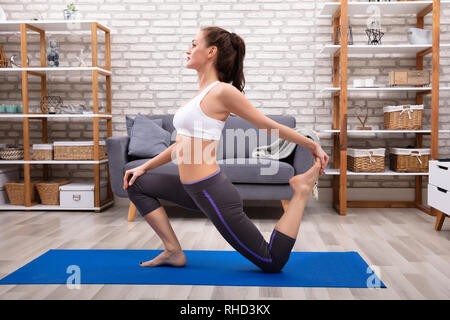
(230, 55)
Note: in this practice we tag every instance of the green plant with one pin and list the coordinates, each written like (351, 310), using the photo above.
(71, 7)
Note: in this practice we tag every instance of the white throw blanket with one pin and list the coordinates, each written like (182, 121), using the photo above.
(281, 149)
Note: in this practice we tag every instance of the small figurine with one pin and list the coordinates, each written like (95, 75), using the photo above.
(358, 112)
(52, 54)
(81, 58)
(15, 64)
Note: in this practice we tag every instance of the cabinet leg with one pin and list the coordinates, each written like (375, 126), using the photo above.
(285, 204)
(131, 212)
(439, 220)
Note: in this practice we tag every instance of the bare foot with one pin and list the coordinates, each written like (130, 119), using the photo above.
(302, 184)
(167, 258)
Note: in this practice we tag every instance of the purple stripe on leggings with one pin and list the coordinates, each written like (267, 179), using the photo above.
(202, 178)
(234, 236)
(273, 235)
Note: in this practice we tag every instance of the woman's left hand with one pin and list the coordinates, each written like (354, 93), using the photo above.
(318, 152)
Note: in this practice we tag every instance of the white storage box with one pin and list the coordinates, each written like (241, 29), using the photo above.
(80, 195)
(439, 174)
(439, 198)
(8, 173)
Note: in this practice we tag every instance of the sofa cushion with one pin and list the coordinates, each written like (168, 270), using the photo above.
(129, 122)
(250, 170)
(238, 170)
(169, 167)
(147, 138)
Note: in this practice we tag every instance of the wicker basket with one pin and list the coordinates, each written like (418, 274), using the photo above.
(16, 192)
(77, 150)
(11, 153)
(42, 152)
(409, 160)
(365, 160)
(49, 191)
(407, 117)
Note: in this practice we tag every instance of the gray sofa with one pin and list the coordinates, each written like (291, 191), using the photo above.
(256, 179)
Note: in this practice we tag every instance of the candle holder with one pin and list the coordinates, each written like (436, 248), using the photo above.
(349, 36)
(374, 36)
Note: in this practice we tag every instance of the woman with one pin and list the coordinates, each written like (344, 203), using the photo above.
(217, 55)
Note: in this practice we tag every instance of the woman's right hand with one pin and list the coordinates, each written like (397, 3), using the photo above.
(135, 173)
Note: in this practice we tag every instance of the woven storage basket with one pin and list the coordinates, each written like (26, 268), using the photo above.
(407, 117)
(11, 153)
(42, 152)
(409, 160)
(16, 192)
(77, 150)
(365, 160)
(49, 191)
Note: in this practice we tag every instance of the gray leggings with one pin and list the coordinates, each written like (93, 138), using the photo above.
(221, 202)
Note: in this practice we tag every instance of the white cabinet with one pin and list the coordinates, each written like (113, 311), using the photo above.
(439, 186)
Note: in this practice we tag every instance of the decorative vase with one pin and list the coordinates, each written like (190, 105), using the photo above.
(419, 36)
(52, 54)
(69, 14)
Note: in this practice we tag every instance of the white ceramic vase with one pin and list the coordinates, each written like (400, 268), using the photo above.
(419, 36)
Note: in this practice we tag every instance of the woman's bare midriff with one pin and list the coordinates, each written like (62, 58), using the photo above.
(196, 158)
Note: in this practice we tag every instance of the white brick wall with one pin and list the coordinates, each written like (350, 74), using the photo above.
(283, 68)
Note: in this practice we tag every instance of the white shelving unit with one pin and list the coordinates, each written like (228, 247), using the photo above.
(340, 11)
(55, 116)
(378, 131)
(381, 49)
(61, 27)
(386, 8)
(387, 172)
(53, 161)
(57, 69)
(381, 89)
(41, 207)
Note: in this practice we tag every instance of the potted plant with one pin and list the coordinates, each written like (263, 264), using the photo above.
(70, 12)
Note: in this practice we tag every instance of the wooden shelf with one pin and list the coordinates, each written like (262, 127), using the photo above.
(388, 89)
(50, 116)
(386, 173)
(340, 11)
(378, 131)
(53, 161)
(383, 131)
(50, 25)
(41, 207)
(381, 49)
(55, 69)
(42, 71)
(386, 8)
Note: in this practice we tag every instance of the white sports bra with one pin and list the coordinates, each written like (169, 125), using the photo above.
(190, 120)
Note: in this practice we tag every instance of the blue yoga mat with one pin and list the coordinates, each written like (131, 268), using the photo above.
(215, 268)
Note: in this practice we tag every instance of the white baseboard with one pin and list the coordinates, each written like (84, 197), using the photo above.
(326, 197)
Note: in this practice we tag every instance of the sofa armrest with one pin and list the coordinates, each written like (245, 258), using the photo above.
(117, 150)
(303, 159)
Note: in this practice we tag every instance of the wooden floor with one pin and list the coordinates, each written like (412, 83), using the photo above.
(409, 256)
